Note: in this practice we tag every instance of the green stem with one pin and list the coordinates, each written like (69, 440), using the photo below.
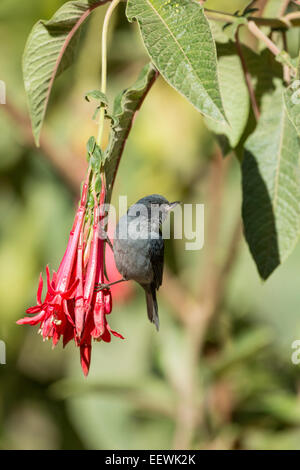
(260, 35)
(108, 14)
(291, 20)
(247, 76)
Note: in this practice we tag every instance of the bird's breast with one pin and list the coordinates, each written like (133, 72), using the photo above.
(132, 259)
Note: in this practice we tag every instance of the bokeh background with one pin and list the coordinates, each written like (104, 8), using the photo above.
(219, 373)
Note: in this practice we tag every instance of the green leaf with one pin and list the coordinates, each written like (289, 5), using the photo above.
(114, 120)
(263, 68)
(271, 186)
(126, 105)
(91, 144)
(292, 103)
(232, 28)
(235, 95)
(179, 41)
(51, 49)
(98, 96)
(95, 154)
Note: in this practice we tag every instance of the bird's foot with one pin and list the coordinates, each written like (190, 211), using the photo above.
(100, 286)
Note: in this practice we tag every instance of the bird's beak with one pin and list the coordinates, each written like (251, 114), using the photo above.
(172, 205)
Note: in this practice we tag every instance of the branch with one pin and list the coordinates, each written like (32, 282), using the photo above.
(284, 6)
(275, 23)
(287, 64)
(261, 5)
(286, 69)
(262, 37)
(292, 16)
(247, 76)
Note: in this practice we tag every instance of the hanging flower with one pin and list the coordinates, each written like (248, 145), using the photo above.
(72, 308)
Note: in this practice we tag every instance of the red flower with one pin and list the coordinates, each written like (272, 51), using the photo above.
(72, 308)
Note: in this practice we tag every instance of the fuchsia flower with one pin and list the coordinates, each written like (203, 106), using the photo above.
(72, 308)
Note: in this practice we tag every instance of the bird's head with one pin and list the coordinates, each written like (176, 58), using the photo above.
(155, 207)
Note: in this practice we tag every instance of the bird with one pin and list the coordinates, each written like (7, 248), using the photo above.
(139, 247)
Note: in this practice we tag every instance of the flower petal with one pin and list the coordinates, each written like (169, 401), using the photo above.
(66, 310)
(40, 290)
(108, 302)
(70, 291)
(85, 358)
(55, 337)
(99, 320)
(106, 336)
(68, 335)
(118, 335)
(35, 309)
(51, 291)
(31, 320)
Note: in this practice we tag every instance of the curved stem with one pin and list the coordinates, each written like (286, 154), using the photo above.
(262, 37)
(247, 77)
(289, 21)
(252, 27)
(292, 16)
(108, 14)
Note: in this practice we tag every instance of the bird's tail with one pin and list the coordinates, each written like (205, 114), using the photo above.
(152, 308)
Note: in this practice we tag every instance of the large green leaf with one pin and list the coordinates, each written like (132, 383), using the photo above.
(271, 186)
(235, 95)
(50, 49)
(292, 103)
(262, 68)
(125, 106)
(179, 41)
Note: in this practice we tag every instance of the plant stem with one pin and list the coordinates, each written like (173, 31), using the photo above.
(247, 77)
(277, 23)
(108, 15)
(284, 6)
(292, 16)
(286, 69)
(219, 16)
(272, 47)
(262, 37)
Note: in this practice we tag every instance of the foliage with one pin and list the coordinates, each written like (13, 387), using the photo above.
(179, 41)
(244, 389)
(271, 205)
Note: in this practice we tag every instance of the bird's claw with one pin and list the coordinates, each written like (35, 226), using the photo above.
(100, 286)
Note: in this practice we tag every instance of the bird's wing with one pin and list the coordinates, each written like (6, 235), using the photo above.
(157, 260)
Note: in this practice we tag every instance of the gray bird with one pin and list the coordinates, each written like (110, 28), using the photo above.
(139, 247)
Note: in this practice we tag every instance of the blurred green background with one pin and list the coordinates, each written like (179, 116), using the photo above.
(219, 373)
